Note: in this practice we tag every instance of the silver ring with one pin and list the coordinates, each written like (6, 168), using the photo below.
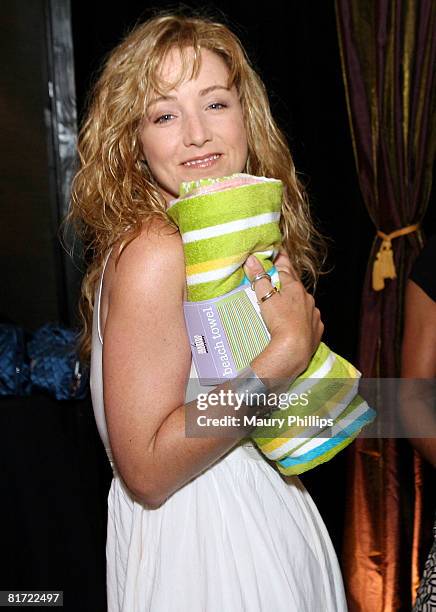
(268, 295)
(258, 276)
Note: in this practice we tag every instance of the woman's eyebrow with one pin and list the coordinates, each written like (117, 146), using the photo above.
(203, 92)
(208, 90)
(161, 99)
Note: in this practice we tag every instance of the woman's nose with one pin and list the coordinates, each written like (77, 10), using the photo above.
(196, 130)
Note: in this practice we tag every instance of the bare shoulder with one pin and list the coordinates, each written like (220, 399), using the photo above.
(150, 266)
(157, 252)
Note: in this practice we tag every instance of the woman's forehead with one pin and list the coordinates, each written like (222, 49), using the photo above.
(181, 65)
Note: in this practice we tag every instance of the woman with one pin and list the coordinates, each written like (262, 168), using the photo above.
(199, 524)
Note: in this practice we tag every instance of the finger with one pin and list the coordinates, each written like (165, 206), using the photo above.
(318, 325)
(287, 277)
(282, 255)
(262, 286)
(320, 330)
(252, 267)
(283, 264)
(265, 293)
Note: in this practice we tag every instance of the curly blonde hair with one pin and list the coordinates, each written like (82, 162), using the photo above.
(114, 192)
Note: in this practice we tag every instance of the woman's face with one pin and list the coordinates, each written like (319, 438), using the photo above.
(195, 131)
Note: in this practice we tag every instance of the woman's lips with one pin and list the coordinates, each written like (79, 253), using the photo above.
(202, 162)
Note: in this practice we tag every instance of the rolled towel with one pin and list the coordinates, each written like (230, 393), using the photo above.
(222, 221)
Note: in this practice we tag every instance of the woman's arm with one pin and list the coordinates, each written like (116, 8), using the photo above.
(419, 351)
(147, 357)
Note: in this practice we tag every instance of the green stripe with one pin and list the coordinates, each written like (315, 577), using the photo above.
(224, 206)
(340, 368)
(245, 241)
(212, 289)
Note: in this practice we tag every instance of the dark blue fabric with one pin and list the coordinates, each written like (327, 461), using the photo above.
(54, 364)
(14, 367)
(48, 363)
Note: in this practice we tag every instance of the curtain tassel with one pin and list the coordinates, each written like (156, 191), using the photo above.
(384, 266)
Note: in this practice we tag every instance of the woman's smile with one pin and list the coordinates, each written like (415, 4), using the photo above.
(205, 161)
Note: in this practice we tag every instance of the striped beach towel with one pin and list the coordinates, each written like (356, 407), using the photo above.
(221, 222)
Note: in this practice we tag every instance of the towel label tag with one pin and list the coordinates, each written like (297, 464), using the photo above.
(225, 333)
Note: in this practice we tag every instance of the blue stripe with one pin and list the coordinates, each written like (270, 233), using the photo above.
(329, 444)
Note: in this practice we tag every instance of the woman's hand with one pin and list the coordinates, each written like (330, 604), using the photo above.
(292, 319)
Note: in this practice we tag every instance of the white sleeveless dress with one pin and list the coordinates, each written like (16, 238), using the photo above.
(236, 538)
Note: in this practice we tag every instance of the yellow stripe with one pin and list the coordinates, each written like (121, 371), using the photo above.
(215, 264)
(352, 370)
(293, 432)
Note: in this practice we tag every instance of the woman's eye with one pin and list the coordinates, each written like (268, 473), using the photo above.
(164, 118)
(217, 105)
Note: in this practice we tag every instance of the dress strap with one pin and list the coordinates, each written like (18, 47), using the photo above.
(98, 297)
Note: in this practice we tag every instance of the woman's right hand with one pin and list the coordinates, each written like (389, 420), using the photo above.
(292, 319)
